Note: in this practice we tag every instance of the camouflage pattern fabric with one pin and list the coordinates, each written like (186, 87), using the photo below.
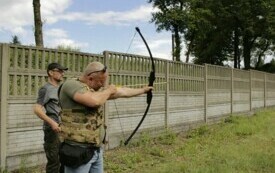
(83, 127)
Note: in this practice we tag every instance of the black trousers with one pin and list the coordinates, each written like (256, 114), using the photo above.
(51, 147)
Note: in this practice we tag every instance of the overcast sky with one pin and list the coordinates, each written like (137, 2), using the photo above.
(91, 25)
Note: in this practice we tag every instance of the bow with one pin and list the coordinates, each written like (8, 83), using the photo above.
(152, 78)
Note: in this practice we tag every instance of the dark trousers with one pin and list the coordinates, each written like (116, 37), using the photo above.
(51, 147)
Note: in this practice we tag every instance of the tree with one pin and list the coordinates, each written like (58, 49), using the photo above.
(208, 32)
(15, 40)
(171, 17)
(256, 29)
(217, 31)
(38, 34)
(231, 30)
(68, 48)
(268, 67)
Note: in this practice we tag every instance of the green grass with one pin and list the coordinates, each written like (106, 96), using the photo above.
(239, 144)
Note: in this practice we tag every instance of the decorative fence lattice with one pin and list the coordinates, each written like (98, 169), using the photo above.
(184, 95)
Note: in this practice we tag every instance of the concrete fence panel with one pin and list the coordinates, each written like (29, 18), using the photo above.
(184, 96)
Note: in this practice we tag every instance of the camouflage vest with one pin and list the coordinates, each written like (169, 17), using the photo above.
(82, 125)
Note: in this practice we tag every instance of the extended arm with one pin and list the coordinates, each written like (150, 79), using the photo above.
(130, 92)
(94, 99)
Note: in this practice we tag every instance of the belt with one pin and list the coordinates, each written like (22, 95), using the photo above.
(47, 113)
(82, 145)
(84, 111)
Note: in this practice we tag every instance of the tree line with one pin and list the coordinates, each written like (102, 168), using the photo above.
(216, 31)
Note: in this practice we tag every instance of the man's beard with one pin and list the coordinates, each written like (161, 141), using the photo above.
(58, 80)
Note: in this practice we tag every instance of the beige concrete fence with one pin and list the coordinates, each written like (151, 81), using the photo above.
(185, 95)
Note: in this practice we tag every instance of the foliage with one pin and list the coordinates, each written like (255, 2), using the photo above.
(226, 18)
(3, 171)
(15, 40)
(211, 39)
(171, 17)
(217, 31)
(198, 132)
(268, 67)
(167, 138)
(68, 48)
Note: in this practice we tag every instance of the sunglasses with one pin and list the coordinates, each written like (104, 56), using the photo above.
(58, 70)
(103, 70)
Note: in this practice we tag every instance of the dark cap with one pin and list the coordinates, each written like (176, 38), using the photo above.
(54, 65)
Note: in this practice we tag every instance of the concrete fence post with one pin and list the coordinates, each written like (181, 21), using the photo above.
(265, 91)
(250, 90)
(4, 60)
(167, 95)
(205, 92)
(232, 90)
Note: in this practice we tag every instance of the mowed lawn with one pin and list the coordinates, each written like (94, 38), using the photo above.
(238, 144)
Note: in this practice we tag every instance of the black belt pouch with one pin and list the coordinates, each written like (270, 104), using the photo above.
(74, 156)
